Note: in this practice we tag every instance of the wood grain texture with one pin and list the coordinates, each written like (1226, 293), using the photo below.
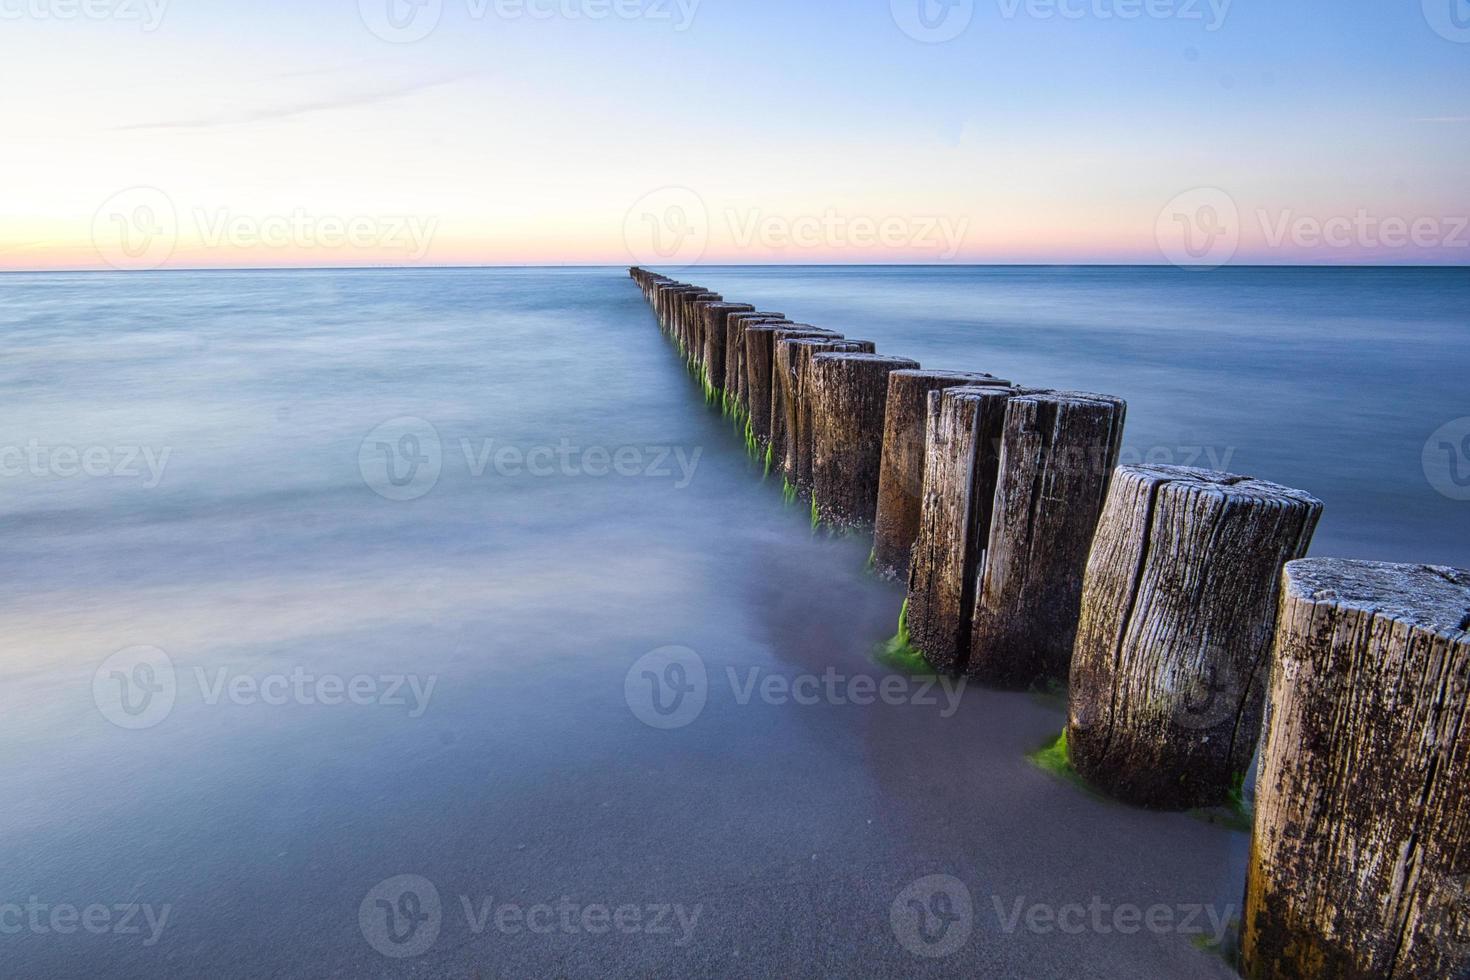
(961, 466)
(759, 356)
(714, 321)
(783, 392)
(802, 433)
(1057, 454)
(687, 322)
(849, 394)
(1179, 607)
(901, 480)
(734, 384)
(1360, 864)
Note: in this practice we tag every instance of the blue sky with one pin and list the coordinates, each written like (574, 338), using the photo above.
(542, 132)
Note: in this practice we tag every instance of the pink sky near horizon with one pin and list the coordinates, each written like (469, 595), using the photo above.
(290, 135)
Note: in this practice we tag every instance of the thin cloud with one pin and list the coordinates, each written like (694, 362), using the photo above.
(289, 111)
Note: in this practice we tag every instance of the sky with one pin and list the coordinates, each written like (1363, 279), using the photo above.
(143, 134)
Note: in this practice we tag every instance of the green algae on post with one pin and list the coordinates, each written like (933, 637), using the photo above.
(899, 654)
(1054, 758)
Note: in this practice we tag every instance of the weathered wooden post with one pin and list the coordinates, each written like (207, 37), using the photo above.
(691, 323)
(667, 295)
(659, 299)
(1178, 608)
(715, 320)
(963, 430)
(901, 482)
(651, 286)
(849, 395)
(735, 352)
(674, 301)
(1360, 862)
(760, 339)
(1057, 455)
(783, 390)
(799, 415)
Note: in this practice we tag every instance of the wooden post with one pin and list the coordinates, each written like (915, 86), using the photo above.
(963, 430)
(1057, 454)
(760, 339)
(715, 322)
(1360, 862)
(901, 482)
(674, 313)
(799, 409)
(849, 395)
(659, 299)
(1178, 609)
(692, 324)
(783, 390)
(735, 351)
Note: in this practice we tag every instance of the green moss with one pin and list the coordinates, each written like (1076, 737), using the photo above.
(1054, 758)
(901, 655)
(788, 491)
(770, 459)
(816, 514)
(873, 564)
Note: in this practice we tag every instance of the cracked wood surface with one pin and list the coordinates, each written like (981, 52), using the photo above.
(1179, 607)
(1360, 865)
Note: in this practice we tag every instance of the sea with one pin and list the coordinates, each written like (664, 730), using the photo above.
(427, 623)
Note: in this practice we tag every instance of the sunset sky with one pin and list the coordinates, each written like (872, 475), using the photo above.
(213, 133)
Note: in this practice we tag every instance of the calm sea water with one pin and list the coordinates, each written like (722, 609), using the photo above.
(321, 579)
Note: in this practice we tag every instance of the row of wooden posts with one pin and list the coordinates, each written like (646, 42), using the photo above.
(1174, 602)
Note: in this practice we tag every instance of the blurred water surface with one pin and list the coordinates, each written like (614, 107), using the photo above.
(502, 485)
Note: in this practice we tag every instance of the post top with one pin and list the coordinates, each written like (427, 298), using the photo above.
(970, 377)
(1431, 597)
(864, 358)
(1230, 485)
